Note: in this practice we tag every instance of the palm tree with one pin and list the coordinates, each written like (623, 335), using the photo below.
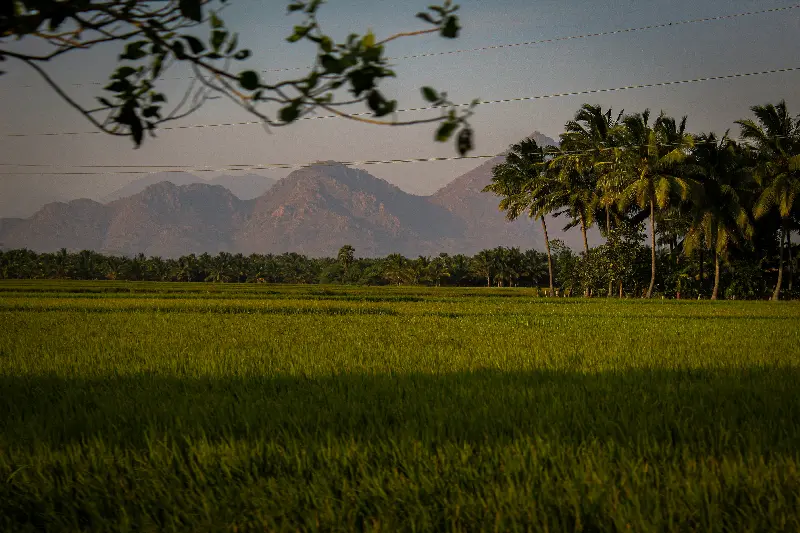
(483, 265)
(395, 268)
(578, 193)
(345, 258)
(776, 137)
(592, 137)
(438, 269)
(651, 167)
(718, 218)
(524, 185)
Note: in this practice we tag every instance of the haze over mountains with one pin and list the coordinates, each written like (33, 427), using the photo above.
(313, 211)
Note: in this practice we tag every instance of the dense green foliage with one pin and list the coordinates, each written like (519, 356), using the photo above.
(499, 266)
(735, 203)
(622, 258)
(210, 407)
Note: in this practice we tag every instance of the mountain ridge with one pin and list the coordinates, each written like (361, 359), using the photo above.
(315, 210)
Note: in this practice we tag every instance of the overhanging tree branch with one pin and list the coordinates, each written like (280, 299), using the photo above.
(153, 39)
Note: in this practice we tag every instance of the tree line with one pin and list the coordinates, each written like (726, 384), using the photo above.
(497, 267)
(715, 206)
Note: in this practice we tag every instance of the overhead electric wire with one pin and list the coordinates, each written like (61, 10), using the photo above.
(480, 102)
(527, 43)
(234, 168)
(238, 167)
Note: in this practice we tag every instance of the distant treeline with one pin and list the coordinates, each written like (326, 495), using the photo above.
(623, 266)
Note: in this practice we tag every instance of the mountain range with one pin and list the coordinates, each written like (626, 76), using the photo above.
(314, 211)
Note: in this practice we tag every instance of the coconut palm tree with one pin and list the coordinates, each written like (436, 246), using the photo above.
(483, 265)
(719, 217)
(651, 168)
(577, 191)
(592, 137)
(396, 268)
(346, 257)
(524, 185)
(591, 140)
(776, 138)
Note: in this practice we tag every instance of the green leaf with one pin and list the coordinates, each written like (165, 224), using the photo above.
(241, 55)
(158, 97)
(376, 102)
(105, 102)
(290, 112)
(232, 44)
(445, 131)
(299, 33)
(249, 80)
(450, 28)
(217, 38)
(332, 65)
(134, 51)
(464, 141)
(430, 94)
(127, 116)
(191, 9)
(195, 44)
(369, 40)
(326, 44)
(363, 79)
(295, 7)
(150, 111)
(123, 72)
(57, 20)
(158, 63)
(426, 17)
(177, 49)
(216, 22)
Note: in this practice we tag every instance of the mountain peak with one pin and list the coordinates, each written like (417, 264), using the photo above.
(542, 139)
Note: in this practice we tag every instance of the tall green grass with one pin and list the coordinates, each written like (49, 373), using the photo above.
(302, 408)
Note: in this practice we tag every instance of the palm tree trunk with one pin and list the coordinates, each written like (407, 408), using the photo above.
(777, 293)
(789, 258)
(608, 234)
(702, 274)
(549, 257)
(716, 275)
(586, 293)
(583, 230)
(653, 245)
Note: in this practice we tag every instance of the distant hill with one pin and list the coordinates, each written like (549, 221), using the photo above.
(317, 210)
(140, 184)
(314, 211)
(246, 186)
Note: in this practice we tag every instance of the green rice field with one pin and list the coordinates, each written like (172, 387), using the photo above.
(197, 407)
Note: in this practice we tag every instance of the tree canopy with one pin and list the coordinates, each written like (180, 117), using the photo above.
(701, 193)
(157, 35)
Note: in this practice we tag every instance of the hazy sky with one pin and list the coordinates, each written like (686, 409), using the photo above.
(746, 44)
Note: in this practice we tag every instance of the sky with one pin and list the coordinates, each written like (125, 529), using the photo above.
(741, 45)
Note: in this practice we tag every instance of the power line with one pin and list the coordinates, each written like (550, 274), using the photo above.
(231, 168)
(274, 166)
(482, 102)
(527, 43)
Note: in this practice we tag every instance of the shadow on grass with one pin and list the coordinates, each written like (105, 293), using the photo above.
(710, 411)
(481, 451)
